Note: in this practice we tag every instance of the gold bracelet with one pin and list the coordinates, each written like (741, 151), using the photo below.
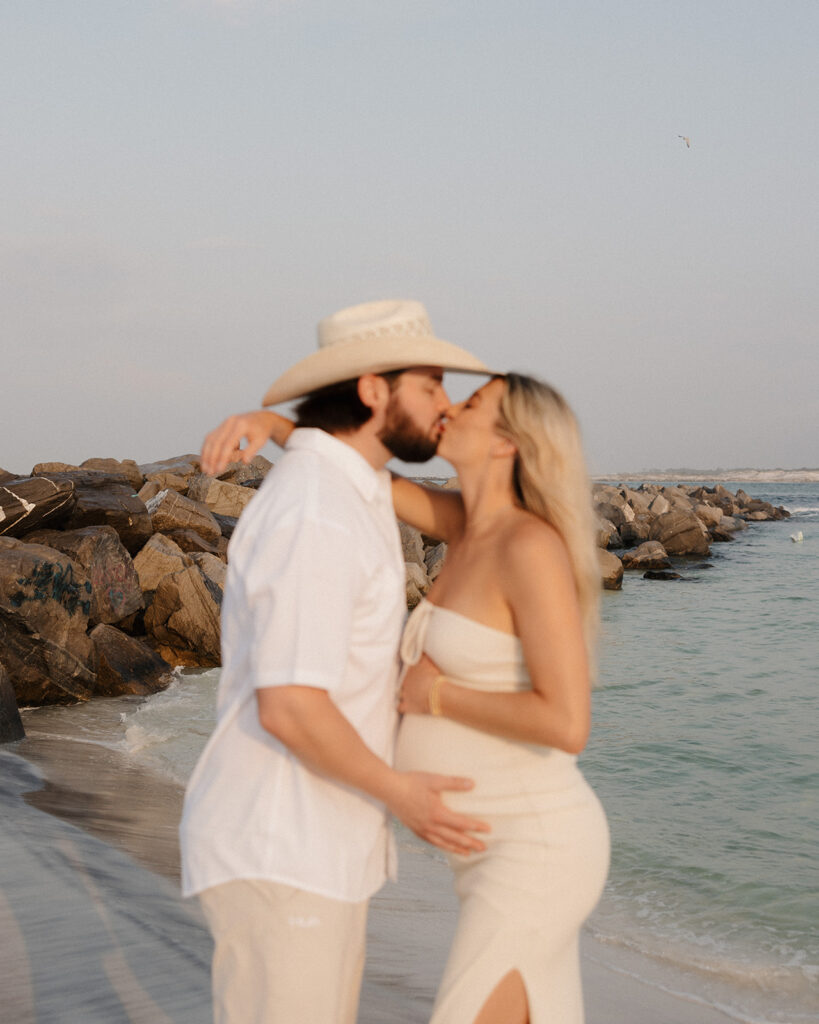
(435, 695)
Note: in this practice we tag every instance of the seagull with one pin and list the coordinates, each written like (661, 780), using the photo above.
(797, 538)
(686, 140)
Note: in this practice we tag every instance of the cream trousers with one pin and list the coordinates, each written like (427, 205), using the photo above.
(283, 955)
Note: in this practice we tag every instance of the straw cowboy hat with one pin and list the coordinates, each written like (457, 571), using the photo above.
(374, 337)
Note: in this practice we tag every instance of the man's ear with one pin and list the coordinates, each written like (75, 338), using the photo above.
(373, 391)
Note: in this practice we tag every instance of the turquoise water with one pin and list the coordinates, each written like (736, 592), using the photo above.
(704, 753)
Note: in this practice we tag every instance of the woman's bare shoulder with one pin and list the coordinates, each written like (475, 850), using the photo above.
(532, 546)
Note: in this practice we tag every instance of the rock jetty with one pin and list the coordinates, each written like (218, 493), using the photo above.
(112, 573)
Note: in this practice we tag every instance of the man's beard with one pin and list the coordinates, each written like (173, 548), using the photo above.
(403, 437)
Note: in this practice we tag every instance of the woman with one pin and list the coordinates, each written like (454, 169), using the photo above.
(497, 688)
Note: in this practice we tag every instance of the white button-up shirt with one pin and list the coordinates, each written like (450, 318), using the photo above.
(314, 596)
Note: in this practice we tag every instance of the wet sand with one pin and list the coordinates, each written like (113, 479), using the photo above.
(94, 930)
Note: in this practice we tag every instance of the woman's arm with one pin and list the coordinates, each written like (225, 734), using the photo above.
(222, 445)
(432, 510)
(539, 586)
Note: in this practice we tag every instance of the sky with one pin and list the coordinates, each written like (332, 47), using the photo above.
(190, 185)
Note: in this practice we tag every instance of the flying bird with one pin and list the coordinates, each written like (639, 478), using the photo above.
(686, 140)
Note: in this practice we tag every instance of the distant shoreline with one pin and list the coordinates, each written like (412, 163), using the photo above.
(749, 476)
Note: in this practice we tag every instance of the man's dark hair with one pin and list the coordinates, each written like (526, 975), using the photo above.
(337, 409)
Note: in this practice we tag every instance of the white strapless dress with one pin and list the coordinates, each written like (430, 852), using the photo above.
(524, 899)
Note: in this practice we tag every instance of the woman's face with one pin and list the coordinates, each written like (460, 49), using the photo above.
(471, 426)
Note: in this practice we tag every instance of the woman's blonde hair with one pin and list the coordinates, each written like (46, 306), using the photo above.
(551, 481)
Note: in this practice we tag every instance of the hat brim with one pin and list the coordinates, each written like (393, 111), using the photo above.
(348, 360)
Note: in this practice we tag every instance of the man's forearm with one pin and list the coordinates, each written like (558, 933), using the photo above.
(306, 721)
(309, 724)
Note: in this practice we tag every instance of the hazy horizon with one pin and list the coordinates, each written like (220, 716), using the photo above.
(190, 186)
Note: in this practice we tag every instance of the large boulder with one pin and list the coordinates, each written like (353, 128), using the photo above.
(651, 555)
(215, 572)
(617, 514)
(636, 499)
(30, 503)
(11, 725)
(172, 511)
(180, 465)
(190, 542)
(680, 533)
(184, 618)
(224, 498)
(635, 532)
(45, 602)
(160, 557)
(165, 481)
(227, 524)
(108, 499)
(711, 515)
(606, 533)
(659, 505)
(127, 468)
(126, 665)
(250, 475)
(116, 593)
(611, 570)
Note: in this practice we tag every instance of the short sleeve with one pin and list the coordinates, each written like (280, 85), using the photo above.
(301, 596)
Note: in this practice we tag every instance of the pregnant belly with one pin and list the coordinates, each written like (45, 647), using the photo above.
(507, 774)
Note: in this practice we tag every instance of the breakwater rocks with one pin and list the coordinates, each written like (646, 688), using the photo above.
(637, 529)
(111, 573)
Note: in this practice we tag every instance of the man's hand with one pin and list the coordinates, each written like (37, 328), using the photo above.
(223, 445)
(419, 806)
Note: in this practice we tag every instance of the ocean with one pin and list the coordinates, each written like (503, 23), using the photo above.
(703, 752)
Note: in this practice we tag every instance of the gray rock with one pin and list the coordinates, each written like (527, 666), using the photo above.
(34, 502)
(108, 499)
(711, 515)
(160, 557)
(183, 619)
(224, 498)
(116, 592)
(126, 665)
(611, 570)
(167, 481)
(45, 601)
(680, 533)
(11, 725)
(651, 555)
(180, 465)
(635, 532)
(172, 511)
(251, 474)
(661, 575)
(606, 532)
(127, 468)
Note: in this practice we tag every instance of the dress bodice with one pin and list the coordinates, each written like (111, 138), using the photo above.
(465, 650)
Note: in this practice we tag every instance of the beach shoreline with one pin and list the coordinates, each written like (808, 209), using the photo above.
(90, 798)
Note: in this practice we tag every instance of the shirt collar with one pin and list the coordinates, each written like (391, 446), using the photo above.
(367, 480)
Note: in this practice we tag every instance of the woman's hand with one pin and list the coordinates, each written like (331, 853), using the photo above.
(414, 696)
(222, 445)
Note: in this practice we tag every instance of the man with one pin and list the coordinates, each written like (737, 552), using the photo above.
(285, 833)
